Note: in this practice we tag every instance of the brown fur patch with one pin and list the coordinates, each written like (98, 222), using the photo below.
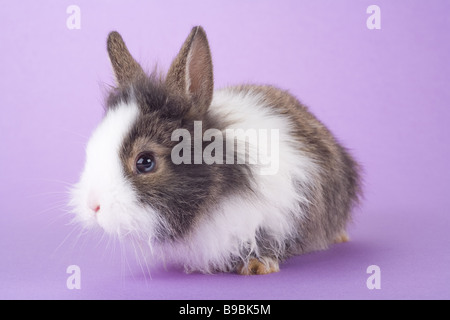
(126, 69)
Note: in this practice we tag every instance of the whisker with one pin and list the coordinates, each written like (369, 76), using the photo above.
(139, 260)
(63, 241)
(123, 252)
(49, 193)
(102, 238)
(58, 218)
(145, 259)
(58, 181)
(77, 239)
(85, 238)
(56, 205)
(75, 133)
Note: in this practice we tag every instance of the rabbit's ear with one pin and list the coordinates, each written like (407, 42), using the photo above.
(191, 72)
(126, 69)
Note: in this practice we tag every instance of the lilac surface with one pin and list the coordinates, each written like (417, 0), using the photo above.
(384, 93)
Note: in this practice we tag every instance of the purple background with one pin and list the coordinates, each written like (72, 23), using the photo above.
(384, 93)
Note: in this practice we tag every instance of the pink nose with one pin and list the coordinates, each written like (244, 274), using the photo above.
(93, 202)
(94, 207)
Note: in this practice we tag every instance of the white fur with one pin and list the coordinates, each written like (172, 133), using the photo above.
(234, 226)
(103, 182)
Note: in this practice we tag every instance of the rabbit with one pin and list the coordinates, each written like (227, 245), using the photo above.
(226, 215)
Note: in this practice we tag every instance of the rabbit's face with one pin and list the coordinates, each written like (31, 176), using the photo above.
(130, 183)
(104, 196)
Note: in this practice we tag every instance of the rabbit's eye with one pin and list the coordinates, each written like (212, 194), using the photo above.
(145, 163)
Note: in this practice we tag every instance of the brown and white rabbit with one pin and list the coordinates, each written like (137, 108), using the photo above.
(212, 214)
